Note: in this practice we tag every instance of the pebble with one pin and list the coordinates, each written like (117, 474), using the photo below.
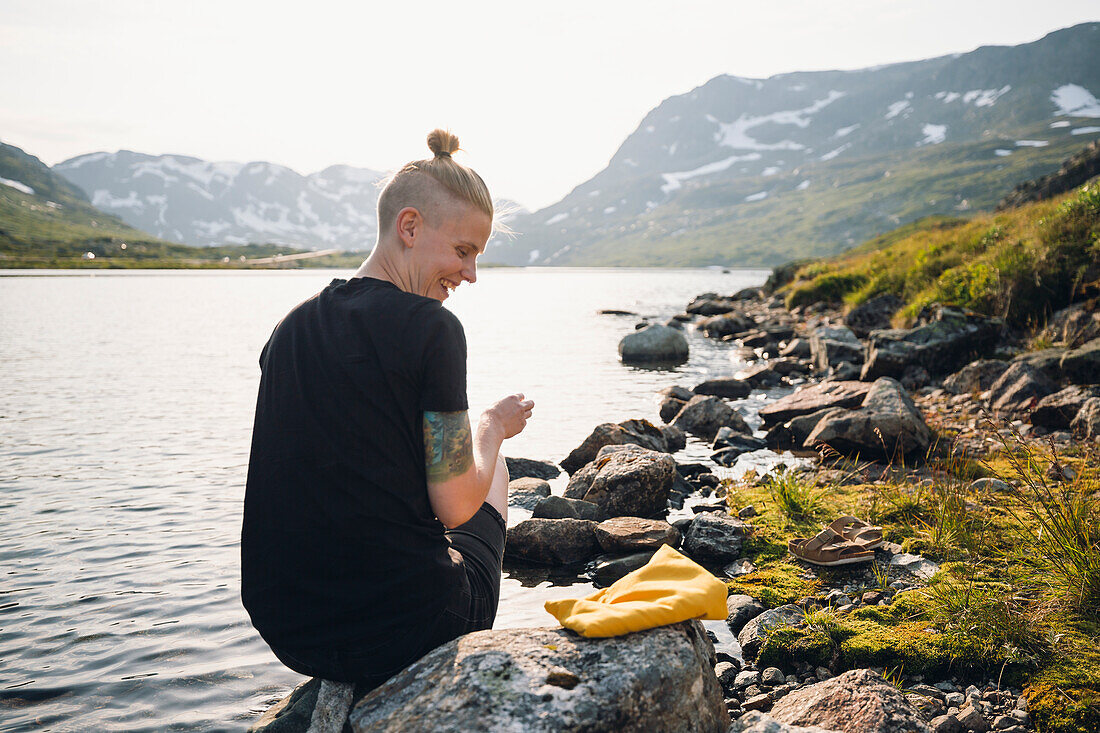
(746, 678)
(772, 676)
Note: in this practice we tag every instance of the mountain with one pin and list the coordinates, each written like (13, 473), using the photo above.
(43, 215)
(755, 172)
(189, 200)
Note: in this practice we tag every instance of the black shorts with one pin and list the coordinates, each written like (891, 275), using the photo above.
(478, 547)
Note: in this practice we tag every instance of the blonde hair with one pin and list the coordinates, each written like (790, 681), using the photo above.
(431, 184)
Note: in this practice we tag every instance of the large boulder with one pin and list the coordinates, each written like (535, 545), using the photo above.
(1019, 388)
(655, 343)
(552, 541)
(639, 432)
(831, 345)
(526, 467)
(872, 315)
(703, 416)
(1072, 325)
(606, 569)
(948, 339)
(527, 492)
(714, 538)
(755, 631)
(887, 425)
(814, 398)
(634, 534)
(1087, 423)
(975, 377)
(858, 701)
(625, 481)
(554, 680)
(728, 387)
(1082, 365)
(1057, 410)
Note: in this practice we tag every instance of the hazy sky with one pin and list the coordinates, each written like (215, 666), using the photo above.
(540, 94)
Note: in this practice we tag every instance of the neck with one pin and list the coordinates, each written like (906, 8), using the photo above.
(382, 265)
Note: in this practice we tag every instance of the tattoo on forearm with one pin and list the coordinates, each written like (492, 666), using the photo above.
(448, 445)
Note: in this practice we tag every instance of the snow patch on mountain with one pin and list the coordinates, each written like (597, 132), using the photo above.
(1076, 101)
(896, 109)
(933, 134)
(1084, 130)
(1032, 143)
(557, 218)
(759, 196)
(835, 152)
(735, 134)
(18, 186)
(675, 180)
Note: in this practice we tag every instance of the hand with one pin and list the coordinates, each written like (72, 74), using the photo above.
(509, 415)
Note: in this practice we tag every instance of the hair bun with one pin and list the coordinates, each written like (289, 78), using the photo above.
(442, 142)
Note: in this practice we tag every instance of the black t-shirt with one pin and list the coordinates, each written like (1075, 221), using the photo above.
(339, 544)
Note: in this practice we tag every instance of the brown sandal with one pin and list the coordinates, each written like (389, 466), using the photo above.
(828, 548)
(858, 532)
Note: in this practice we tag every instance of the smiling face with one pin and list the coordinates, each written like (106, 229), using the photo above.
(442, 252)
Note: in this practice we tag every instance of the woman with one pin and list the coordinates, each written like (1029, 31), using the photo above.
(374, 516)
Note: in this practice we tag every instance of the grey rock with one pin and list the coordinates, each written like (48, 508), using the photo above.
(521, 467)
(752, 635)
(625, 481)
(887, 425)
(634, 534)
(711, 304)
(671, 400)
(747, 678)
(730, 445)
(727, 387)
(1058, 410)
(971, 719)
(552, 541)
(559, 507)
(726, 672)
(832, 345)
(527, 492)
(554, 680)
(814, 398)
(989, 484)
(758, 722)
(1020, 387)
(1082, 365)
(946, 724)
(737, 568)
(975, 377)
(675, 438)
(1072, 325)
(773, 677)
(747, 512)
(793, 433)
(606, 569)
(1048, 361)
(639, 432)
(954, 699)
(761, 376)
(715, 538)
(740, 609)
(929, 707)
(292, 713)
(873, 314)
(1086, 425)
(915, 564)
(946, 340)
(654, 343)
(726, 324)
(703, 416)
(759, 701)
(859, 701)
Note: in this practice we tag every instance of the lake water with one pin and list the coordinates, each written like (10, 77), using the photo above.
(125, 422)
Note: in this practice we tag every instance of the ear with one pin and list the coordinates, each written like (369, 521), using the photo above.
(408, 224)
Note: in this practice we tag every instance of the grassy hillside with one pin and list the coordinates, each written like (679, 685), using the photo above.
(1019, 264)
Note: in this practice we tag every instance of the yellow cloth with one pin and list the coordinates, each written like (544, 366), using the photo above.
(668, 589)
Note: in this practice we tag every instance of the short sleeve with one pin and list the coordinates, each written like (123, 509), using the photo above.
(443, 365)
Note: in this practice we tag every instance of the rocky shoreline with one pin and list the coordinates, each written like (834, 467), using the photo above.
(897, 422)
